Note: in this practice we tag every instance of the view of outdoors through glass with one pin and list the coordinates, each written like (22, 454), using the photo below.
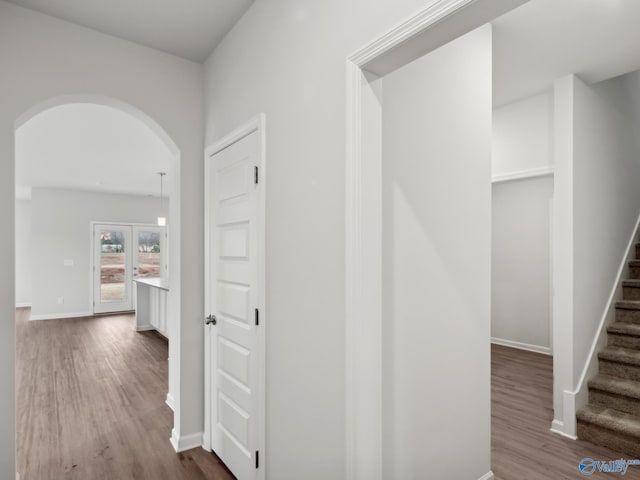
(148, 255)
(113, 260)
(112, 266)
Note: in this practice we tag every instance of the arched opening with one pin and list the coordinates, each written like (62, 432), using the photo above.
(137, 121)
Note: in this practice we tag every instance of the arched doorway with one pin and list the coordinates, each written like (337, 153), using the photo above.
(172, 152)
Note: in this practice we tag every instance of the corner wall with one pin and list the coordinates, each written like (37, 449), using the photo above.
(44, 58)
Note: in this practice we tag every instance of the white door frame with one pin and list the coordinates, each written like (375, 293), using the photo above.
(258, 124)
(440, 22)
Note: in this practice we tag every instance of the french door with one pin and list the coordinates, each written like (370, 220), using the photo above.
(122, 253)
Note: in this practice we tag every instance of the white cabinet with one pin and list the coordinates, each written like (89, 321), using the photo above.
(151, 305)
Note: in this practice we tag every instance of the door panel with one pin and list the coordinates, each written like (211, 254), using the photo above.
(112, 275)
(233, 295)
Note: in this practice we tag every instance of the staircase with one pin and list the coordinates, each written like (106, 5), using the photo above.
(612, 416)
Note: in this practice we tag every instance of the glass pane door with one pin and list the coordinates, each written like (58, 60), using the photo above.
(112, 268)
(149, 256)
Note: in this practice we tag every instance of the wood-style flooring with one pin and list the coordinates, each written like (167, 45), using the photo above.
(523, 448)
(90, 404)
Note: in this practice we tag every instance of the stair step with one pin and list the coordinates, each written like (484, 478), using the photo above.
(631, 289)
(629, 356)
(637, 250)
(620, 362)
(619, 394)
(624, 328)
(610, 428)
(634, 268)
(628, 311)
(623, 334)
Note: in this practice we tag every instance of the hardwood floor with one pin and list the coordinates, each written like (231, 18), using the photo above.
(523, 448)
(90, 404)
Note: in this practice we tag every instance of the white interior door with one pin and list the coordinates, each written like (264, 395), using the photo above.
(112, 268)
(234, 299)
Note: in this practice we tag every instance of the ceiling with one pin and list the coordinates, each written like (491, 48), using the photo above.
(187, 28)
(89, 147)
(92, 147)
(547, 39)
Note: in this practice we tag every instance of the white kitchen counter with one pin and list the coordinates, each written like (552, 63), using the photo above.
(151, 304)
(161, 283)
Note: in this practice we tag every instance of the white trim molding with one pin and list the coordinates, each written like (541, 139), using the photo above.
(568, 426)
(557, 427)
(23, 305)
(411, 27)
(523, 174)
(170, 401)
(487, 476)
(145, 328)
(187, 442)
(61, 316)
(521, 346)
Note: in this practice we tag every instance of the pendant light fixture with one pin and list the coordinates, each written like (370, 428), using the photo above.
(162, 221)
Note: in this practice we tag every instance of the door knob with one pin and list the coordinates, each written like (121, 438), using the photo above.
(211, 320)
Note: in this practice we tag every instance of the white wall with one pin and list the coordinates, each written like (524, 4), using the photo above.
(597, 204)
(606, 200)
(287, 58)
(436, 263)
(44, 58)
(62, 231)
(520, 261)
(523, 136)
(23, 252)
(522, 146)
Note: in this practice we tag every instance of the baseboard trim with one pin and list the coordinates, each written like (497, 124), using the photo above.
(61, 316)
(144, 328)
(521, 346)
(187, 442)
(170, 401)
(487, 476)
(23, 305)
(557, 427)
